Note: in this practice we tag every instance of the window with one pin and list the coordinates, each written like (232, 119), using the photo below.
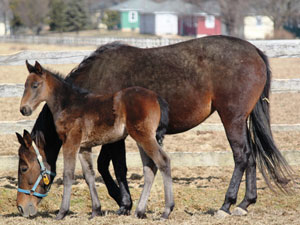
(132, 16)
(258, 21)
(209, 21)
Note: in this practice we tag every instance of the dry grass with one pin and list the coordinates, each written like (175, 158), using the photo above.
(199, 192)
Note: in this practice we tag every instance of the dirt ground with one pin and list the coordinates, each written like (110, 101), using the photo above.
(199, 191)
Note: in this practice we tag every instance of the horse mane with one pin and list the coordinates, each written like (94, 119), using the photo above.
(62, 79)
(84, 66)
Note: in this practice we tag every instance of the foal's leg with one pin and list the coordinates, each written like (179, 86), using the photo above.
(116, 153)
(70, 150)
(85, 157)
(237, 137)
(149, 170)
(162, 161)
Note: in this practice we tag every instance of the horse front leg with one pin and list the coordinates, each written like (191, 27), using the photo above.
(119, 163)
(116, 153)
(86, 160)
(70, 151)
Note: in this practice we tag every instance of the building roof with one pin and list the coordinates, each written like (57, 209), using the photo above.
(137, 5)
(148, 6)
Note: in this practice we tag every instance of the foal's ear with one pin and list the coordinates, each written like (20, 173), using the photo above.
(38, 68)
(27, 139)
(20, 139)
(30, 68)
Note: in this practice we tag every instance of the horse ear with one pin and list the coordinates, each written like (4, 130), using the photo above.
(39, 69)
(30, 68)
(27, 139)
(20, 139)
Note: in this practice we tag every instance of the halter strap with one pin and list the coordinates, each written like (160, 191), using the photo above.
(42, 173)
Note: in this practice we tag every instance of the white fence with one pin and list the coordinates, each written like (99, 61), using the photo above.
(275, 49)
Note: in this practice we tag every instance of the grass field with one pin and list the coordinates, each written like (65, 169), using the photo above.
(199, 191)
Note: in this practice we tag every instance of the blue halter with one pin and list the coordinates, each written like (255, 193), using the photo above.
(43, 173)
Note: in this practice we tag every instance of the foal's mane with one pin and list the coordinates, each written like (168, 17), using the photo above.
(62, 79)
(84, 66)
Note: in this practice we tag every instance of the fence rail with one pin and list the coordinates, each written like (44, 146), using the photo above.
(277, 86)
(10, 127)
(274, 49)
(178, 159)
(284, 48)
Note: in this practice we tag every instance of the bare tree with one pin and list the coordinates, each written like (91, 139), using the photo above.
(232, 14)
(280, 11)
(32, 13)
(5, 13)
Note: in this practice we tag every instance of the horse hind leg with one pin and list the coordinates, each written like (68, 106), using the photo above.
(85, 157)
(251, 188)
(237, 136)
(155, 157)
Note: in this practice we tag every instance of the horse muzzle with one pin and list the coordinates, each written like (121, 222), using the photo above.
(26, 110)
(28, 210)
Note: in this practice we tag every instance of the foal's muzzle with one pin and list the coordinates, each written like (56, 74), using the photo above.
(28, 210)
(26, 110)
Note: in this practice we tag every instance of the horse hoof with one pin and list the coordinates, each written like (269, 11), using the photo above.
(96, 213)
(140, 215)
(60, 216)
(220, 214)
(123, 211)
(238, 211)
(164, 216)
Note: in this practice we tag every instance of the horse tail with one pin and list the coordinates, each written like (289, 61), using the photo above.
(164, 120)
(270, 161)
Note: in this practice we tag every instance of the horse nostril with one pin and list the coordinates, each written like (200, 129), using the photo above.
(20, 210)
(23, 111)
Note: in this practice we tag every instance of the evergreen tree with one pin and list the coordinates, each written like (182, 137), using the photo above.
(57, 15)
(111, 20)
(76, 16)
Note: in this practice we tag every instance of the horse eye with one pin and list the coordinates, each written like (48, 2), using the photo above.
(23, 169)
(35, 85)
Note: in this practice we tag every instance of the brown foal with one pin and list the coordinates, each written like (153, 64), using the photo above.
(84, 120)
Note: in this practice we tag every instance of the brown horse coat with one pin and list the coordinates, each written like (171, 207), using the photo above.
(84, 120)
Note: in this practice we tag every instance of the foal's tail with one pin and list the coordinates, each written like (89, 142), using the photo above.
(270, 161)
(164, 120)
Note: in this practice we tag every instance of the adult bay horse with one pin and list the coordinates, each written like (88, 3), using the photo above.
(197, 78)
(84, 120)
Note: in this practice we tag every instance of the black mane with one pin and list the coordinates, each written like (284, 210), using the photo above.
(62, 79)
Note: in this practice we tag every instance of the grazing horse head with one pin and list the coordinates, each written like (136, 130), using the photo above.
(34, 175)
(35, 89)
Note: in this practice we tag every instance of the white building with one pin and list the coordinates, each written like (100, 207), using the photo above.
(258, 27)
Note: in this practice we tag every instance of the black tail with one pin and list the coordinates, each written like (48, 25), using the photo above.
(270, 161)
(164, 120)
